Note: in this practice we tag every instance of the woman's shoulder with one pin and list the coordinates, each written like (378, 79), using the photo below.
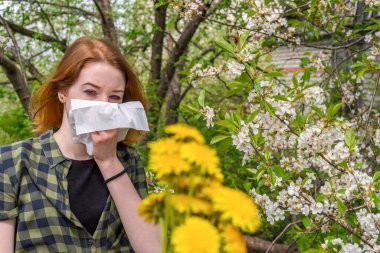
(21, 150)
(18, 147)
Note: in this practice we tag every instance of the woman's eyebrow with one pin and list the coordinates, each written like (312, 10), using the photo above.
(91, 84)
(98, 87)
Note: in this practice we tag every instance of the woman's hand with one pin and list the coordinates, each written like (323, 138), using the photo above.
(105, 146)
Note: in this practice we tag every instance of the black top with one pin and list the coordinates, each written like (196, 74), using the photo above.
(87, 193)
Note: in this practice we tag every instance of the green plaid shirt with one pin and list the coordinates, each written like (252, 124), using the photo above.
(34, 189)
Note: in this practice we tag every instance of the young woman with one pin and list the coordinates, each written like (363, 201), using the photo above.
(54, 197)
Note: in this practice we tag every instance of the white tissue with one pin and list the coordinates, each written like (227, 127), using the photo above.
(86, 116)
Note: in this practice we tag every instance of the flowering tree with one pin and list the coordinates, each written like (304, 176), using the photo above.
(310, 139)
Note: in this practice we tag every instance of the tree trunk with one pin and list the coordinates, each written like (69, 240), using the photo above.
(169, 70)
(108, 26)
(15, 76)
(173, 98)
(157, 43)
(156, 62)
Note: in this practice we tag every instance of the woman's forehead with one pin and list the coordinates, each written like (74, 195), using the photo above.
(102, 74)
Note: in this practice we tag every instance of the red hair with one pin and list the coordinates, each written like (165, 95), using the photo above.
(47, 110)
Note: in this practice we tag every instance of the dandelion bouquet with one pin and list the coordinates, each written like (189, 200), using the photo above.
(197, 213)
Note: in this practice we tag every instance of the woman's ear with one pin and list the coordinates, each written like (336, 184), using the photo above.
(62, 96)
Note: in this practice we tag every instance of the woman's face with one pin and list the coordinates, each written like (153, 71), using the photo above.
(97, 81)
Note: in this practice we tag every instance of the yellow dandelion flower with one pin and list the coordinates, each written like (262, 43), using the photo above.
(202, 156)
(164, 146)
(235, 207)
(167, 164)
(233, 240)
(182, 203)
(196, 235)
(151, 207)
(184, 181)
(183, 132)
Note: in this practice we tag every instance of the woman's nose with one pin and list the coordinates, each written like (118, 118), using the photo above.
(104, 98)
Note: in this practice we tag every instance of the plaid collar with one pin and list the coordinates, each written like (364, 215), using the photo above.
(51, 149)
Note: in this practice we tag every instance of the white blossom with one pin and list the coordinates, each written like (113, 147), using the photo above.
(208, 115)
(234, 69)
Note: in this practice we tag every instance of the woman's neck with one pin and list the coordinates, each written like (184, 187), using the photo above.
(70, 149)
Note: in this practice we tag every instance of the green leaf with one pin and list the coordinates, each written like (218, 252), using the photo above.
(247, 186)
(273, 178)
(191, 108)
(280, 97)
(292, 4)
(243, 39)
(226, 123)
(160, 3)
(343, 164)
(332, 110)
(267, 155)
(306, 222)
(376, 176)
(341, 206)
(218, 138)
(295, 81)
(313, 4)
(361, 73)
(279, 171)
(306, 76)
(349, 139)
(342, 191)
(357, 64)
(259, 175)
(258, 88)
(313, 250)
(269, 108)
(376, 201)
(376, 21)
(226, 46)
(274, 74)
(252, 116)
(320, 198)
(232, 92)
(201, 98)
(376, 65)
(304, 243)
(318, 111)
(351, 219)
(300, 120)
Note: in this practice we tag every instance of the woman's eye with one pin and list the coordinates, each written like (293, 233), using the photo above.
(90, 92)
(115, 97)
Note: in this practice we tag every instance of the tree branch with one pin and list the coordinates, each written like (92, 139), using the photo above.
(34, 35)
(259, 245)
(279, 236)
(47, 19)
(86, 13)
(341, 46)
